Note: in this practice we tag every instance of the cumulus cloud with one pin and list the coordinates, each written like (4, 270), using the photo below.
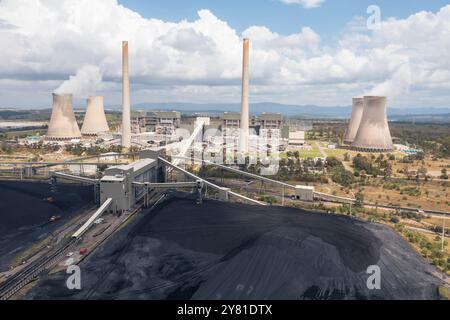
(305, 3)
(199, 61)
(398, 84)
(83, 84)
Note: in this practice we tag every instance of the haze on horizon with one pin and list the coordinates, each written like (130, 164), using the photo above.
(198, 59)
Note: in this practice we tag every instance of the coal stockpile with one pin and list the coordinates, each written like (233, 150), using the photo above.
(26, 209)
(218, 250)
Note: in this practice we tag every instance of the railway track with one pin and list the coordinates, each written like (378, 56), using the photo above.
(12, 285)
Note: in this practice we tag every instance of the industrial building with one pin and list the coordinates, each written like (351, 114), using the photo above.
(373, 133)
(270, 125)
(161, 122)
(117, 183)
(296, 138)
(267, 125)
(63, 125)
(95, 119)
(231, 123)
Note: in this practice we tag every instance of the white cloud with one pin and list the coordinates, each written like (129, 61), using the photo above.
(47, 41)
(305, 3)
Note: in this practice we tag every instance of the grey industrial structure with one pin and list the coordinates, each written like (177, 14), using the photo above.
(373, 133)
(63, 125)
(267, 125)
(117, 183)
(162, 122)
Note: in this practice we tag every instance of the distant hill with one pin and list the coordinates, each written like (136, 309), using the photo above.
(308, 111)
(435, 115)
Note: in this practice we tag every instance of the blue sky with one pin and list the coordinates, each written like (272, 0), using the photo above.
(191, 51)
(328, 19)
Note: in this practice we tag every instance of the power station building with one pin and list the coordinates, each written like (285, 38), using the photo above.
(63, 125)
(161, 122)
(95, 119)
(231, 124)
(118, 181)
(373, 133)
(271, 125)
(268, 125)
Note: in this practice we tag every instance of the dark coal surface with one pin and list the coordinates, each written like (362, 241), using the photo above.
(25, 213)
(232, 251)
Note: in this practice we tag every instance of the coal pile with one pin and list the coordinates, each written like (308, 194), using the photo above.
(25, 212)
(218, 250)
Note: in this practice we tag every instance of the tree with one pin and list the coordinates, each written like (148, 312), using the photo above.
(346, 157)
(422, 172)
(344, 177)
(388, 171)
(319, 164)
(359, 196)
(333, 162)
(444, 174)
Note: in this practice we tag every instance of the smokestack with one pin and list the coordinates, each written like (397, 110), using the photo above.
(355, 120)
(373, 133)
(244, 102)
(95, 119)
(63, 126)
(126, 117)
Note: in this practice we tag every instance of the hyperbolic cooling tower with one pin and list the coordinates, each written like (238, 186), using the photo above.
(373, 134)
(352, 129)
(95, 119)
(63, 125)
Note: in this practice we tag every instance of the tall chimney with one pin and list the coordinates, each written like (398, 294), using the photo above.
(126, 117)
(244, 102)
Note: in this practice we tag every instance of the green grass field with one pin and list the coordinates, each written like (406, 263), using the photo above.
(24, 133)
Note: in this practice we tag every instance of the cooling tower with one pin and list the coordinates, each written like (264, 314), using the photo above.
(95, 119)
(244, 101)
(373, 134)
(352, 129)
(63, 125)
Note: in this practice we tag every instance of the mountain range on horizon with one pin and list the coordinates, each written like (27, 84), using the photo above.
(285, 109)
(305, 111)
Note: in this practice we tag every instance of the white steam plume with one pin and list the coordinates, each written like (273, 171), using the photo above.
(83, 84)
(398, 84)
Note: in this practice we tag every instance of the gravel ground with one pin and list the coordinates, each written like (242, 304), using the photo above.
(232, 251)
(25, 213)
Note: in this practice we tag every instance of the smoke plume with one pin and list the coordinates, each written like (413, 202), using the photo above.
(398, 84)
(83, 84)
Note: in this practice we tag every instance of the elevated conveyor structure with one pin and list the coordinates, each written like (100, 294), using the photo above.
(91, 220)
(224, 193)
